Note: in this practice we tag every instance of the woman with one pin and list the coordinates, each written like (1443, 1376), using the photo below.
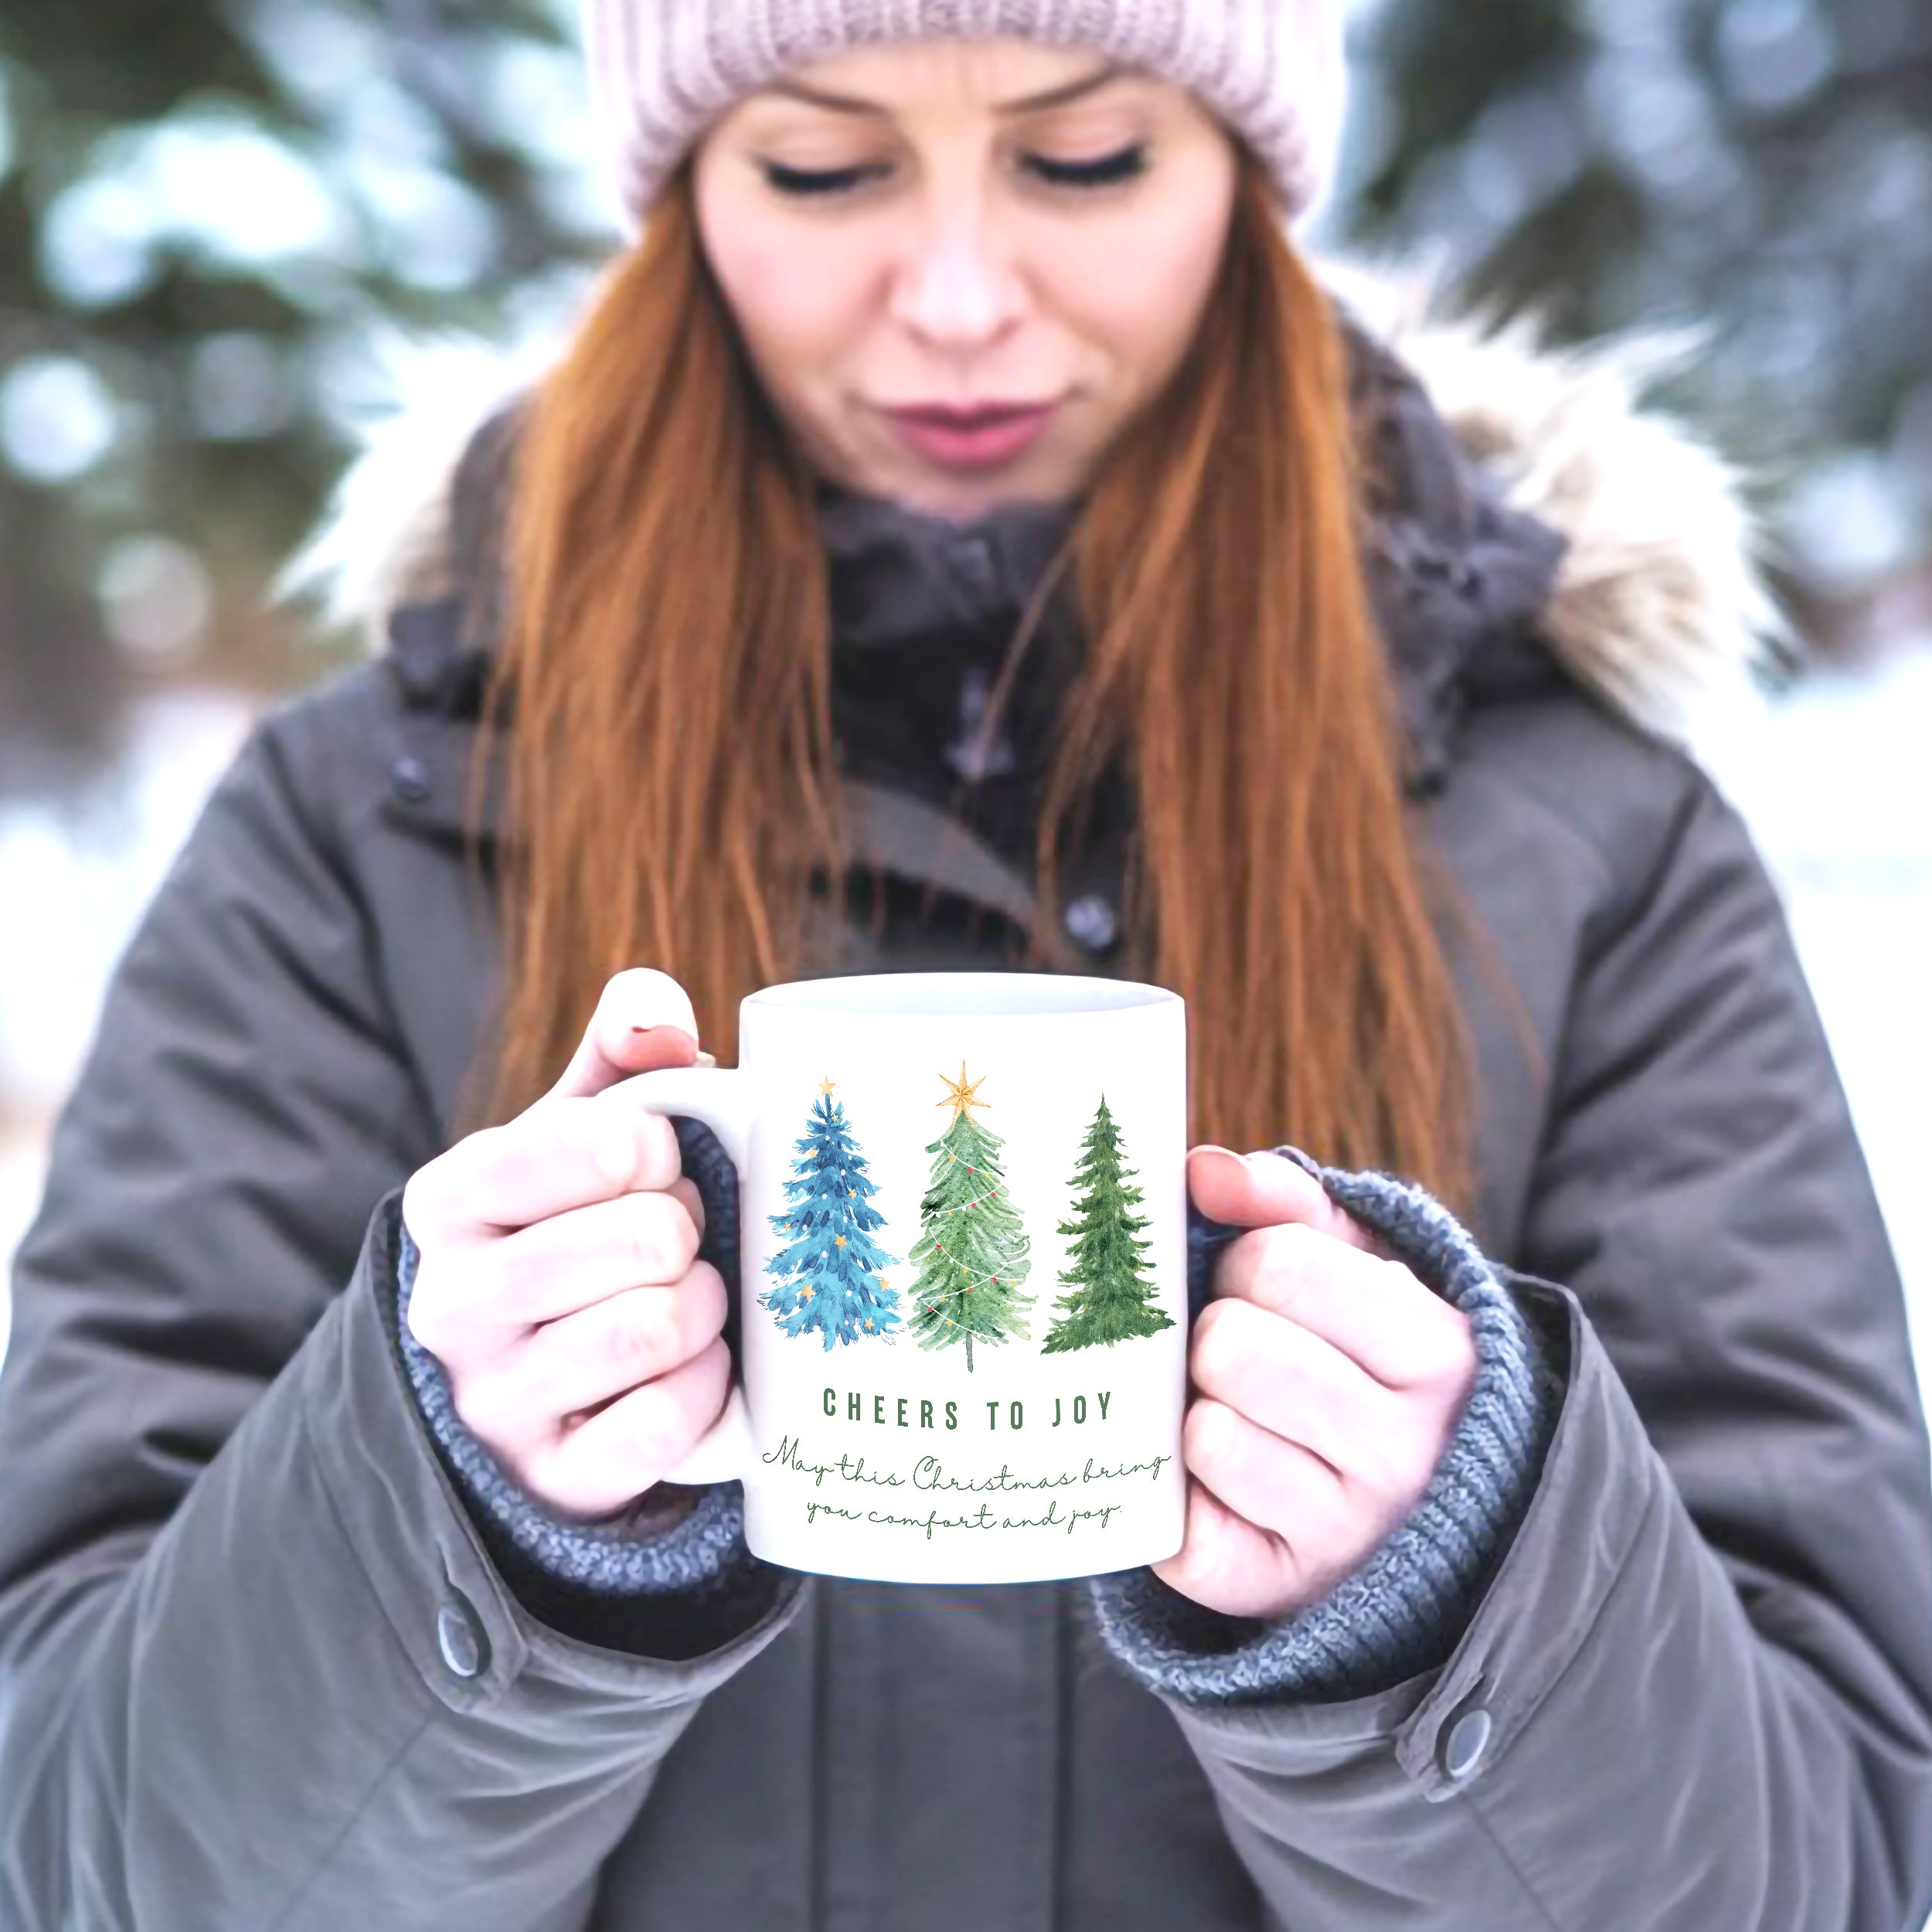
(1559, 1548)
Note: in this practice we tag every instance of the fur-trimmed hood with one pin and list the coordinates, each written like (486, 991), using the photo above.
(1530, 482)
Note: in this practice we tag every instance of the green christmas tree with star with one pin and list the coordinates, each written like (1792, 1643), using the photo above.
(971, 1253)
(831, 1281)
(1112, 1300)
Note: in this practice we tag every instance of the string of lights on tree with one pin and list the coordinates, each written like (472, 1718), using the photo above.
(840, 1290)
(973, 1249)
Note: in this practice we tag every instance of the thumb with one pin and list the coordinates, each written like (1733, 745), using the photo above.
(1268, 1190)
(644, 1020)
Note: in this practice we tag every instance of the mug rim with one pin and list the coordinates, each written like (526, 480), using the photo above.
(970, 996)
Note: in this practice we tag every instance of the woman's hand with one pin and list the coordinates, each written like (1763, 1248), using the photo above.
(557, 1282)
(1330, 1380)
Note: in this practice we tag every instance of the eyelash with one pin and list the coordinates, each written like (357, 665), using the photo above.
(1103, 173)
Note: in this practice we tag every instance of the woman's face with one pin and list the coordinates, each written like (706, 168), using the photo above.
(935, 236)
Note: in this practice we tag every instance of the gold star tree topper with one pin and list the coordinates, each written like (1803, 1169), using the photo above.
(959, 1094)
(827, 1084)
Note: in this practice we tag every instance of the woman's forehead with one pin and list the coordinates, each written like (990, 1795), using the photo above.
(1007, 77)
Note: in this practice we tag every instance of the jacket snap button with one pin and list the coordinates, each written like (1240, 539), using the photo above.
(459, 1636)
(409, 778)
(1469, 1737)
(1091, 921)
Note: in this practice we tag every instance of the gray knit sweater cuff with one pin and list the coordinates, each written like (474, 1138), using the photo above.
(1405, 1608)
(702, 1553)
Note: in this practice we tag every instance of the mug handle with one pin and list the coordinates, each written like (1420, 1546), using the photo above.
(718, 1096)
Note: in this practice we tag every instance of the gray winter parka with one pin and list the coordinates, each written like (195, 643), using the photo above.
(259, 1669)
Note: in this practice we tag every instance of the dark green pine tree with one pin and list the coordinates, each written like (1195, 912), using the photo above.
(1112, 1300)
(830, 1281)
(971, 1252)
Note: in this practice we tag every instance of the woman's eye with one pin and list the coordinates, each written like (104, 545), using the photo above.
(1103, 173)
(800, 181)
(1106, 172)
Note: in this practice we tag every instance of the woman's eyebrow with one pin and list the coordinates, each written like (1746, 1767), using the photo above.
(1053, 97)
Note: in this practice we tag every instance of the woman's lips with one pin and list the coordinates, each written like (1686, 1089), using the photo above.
(974, 441)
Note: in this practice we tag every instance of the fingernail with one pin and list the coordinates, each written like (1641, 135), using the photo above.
(1225, 1154)
(664, 1026)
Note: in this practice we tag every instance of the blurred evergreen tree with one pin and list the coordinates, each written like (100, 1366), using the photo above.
(204, 212)
(1761, 169)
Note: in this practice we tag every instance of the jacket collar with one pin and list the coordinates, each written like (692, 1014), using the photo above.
(1527, 519)
(1455, 573)
(897, 574)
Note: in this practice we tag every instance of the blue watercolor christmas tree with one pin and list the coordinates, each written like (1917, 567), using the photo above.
(830, 1273)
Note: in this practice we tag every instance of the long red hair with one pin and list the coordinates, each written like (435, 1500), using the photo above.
(664, 679)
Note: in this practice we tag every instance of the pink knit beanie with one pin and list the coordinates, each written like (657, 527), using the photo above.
(661, 71)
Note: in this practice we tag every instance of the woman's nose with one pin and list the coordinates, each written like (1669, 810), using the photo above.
(959, 283)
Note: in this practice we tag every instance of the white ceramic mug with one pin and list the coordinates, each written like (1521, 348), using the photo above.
(963, 1258)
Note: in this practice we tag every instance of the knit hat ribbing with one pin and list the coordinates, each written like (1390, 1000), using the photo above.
(662, 71)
